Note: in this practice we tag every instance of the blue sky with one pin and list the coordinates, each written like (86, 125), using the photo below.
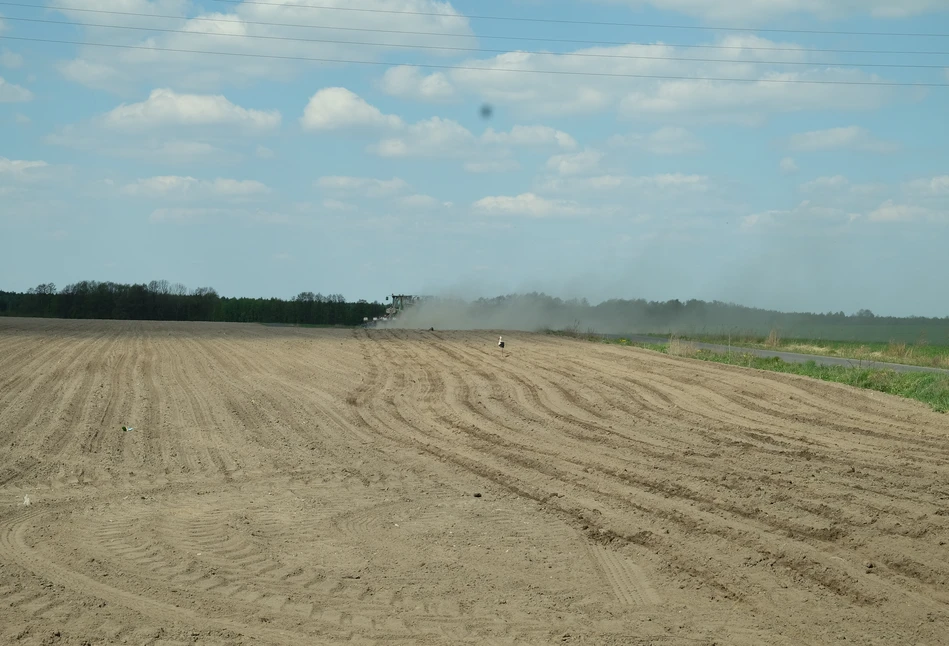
(268, 174)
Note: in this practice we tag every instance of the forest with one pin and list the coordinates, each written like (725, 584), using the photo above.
(164, 301)
(160, 300)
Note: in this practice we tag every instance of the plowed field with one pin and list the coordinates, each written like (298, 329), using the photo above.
(303, 486)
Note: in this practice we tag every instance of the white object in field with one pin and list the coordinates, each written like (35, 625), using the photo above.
(500, 343)
(26, 501)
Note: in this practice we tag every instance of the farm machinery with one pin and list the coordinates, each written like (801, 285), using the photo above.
(399, 303)
(396, 304)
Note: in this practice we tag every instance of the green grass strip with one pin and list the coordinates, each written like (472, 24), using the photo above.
(917, 354)
(929, 388)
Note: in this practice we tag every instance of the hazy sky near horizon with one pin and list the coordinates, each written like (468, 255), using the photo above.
(660, 162)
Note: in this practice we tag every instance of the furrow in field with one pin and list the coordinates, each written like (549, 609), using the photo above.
(812, 451)
(48, 416)
(285, 485)
(836, 582)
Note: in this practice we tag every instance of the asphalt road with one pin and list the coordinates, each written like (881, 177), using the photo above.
(790, 357)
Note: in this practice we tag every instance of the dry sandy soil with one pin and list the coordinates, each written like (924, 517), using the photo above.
(301, 486)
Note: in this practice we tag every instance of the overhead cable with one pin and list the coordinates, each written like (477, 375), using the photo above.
(667, 77)
(566, 21)
(573, 41)
(191, 32)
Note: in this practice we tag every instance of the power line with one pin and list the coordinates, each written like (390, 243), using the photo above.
(664, 77)
(470, 49)
(572, 41)
(564, 21)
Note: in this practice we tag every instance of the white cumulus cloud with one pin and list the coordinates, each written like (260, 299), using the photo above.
(659, 82)
(839, 190)
(529, 205)
(142, 145)
(183, 214)
(92, 74)
(669, 140)
(891, 211)
(171, 127)
(754, 11)
(835, 182)
(164, 107)
(12, 93)
(368, 186)
(535, 135)
(434, 137)
(337, 205)
(674, 194)
(336, 108)
(420, 201)
(788, 166)
(10, 60)
(751, 102)
(408, 82)
(575, 163)
(180, 187)
(798, 215)
(493, 166)
(251, 29)
(21, 169)
(836, 199)
(846, 138)
(354, 188)
(929, 186)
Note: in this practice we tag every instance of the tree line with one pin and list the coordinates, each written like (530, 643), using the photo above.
(691, 312)
(160, 300)
(533, 311)
(164, 301)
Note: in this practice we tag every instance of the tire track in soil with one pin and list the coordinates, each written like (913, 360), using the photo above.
(515, 458)
(627, 579)
(665, 402)
(380, 385)
(806, 507)
(809, 392)
(813, 510)
(600, 431)
(13, 544)
(836, 582)
(678, 489)
(611, 536)
(724, 505)
(173, 568)
(871, 463)
(178, 574)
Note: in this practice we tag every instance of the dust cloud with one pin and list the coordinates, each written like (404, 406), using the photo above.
(521, 313)
(536, 312)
